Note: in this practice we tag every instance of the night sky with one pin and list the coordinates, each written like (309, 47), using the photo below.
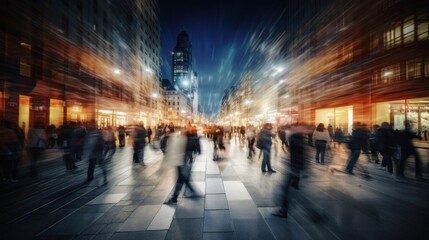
(227, 36)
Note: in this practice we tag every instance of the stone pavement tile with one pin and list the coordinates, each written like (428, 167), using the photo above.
(219, 236)
(252, 229)
(199, 167)
(114, 217)
(108, 198)
(214, 185)
(111, 228)
(217, 221)
(129, 202)
(94, 228)
(140, 219)
(157, 197)
(213, 176)
(83, 237)
(212, 168)
(216, 202)
(200, 188)
(186, 229)
(140, 235)
(244, 209)
(73, 224)
(235, 190)
(198, 176)
(103, 236)
(190, 208)
(138, 193)
(163, 218)
(98, 208)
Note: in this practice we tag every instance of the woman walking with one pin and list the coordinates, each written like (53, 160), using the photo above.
(321, 138)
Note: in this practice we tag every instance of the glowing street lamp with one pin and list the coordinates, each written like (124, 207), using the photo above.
(117, 71)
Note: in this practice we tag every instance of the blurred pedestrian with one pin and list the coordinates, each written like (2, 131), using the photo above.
(10, 149)
(191, 149)
(385, 141)
(139, 142)
(264, 142)
(297, 163)
(78, 137)
(65, 133)
(373, 143)
(251, 138)
(36, 145)
(109, 143)
(281, 132)
(321, 140)
(357, 140)
(93, 150)
(408, 149)
(121, 136)
(149, 134)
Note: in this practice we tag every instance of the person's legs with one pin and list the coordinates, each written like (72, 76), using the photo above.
(265, 157)
(91, 168)
(322, 152)
(354, 156)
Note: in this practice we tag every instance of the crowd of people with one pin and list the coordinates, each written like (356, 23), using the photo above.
(97, 146)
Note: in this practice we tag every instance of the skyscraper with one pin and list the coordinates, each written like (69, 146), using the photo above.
(182, 62)
(184, 78)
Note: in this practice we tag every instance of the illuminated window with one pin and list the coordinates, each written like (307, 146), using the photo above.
(414, 69)
(426, 67)
(422, 27)
(401, 32)
(408, 30)
(389, 74)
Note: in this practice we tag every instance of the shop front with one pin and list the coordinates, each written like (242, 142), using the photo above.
(338, 117)
(415, 111)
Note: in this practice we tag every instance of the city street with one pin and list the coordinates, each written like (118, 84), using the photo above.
(237, 200)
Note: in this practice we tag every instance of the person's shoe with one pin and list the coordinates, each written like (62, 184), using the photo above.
(280, 213)
(272, 171)
(350, 173)
(264, 171)
(171, 201)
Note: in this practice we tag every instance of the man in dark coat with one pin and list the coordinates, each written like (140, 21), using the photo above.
(357, 140)
(139, 143)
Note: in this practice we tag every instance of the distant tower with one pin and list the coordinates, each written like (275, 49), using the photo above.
(184, 78)
(182, 63)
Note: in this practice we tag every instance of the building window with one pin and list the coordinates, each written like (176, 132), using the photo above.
(422, 27)
(408, 30)
(414, 69)
(426, 67)
(25, 60)
(399, 33)
(390, 74)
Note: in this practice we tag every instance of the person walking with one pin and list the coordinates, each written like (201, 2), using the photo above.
(109, 143)
(264, 142)
(10, 149)
(192, 148)
(121, 136)
(321, 139)
(93, 150)
(373, 143)
(297, 163)
(250, 134)
(357, 140)
(65, 133)
(149, 134)
(139, 143)
(385, 141)
(36, 145)
(408, 149)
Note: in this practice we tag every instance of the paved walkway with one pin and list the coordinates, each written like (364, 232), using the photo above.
(237, 201)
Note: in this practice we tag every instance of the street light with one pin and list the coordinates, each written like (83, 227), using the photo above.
(117, 71)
